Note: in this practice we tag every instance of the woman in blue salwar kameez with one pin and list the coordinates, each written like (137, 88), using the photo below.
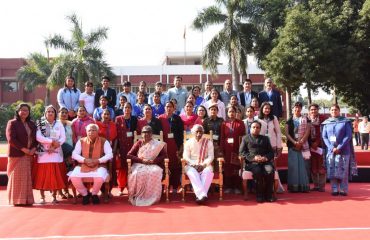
(340, 160)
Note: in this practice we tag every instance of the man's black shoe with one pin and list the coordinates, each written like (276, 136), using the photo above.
(86, 199)
(95, 199)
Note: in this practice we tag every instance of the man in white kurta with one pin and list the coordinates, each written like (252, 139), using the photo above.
(99, 175)
(198, 153)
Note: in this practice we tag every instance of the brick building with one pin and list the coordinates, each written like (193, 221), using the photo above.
(12, 90)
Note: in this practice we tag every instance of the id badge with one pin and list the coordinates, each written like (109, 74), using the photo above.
(129, 134)
(333, 139)
(170, 135)
(271, 103)
(230, 140)
(296, 136)
(215, 137)
(53, 134)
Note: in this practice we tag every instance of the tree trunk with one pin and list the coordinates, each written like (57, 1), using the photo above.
(234, 73)
(288, 101)
(309, 97)
(335, 98)
(47, 97)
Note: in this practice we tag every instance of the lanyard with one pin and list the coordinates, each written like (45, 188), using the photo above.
(170, 121)
(128, 124)
(231, 130)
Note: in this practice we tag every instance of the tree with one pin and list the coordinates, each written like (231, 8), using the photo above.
(235, 39)
(267, 16)
(36, 73)
(82, 59)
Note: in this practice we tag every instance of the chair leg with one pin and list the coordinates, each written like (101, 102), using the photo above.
(183, 192)
(167, 193)
(245, 189)
(106, 192)
(276, 186)
(221, 192)
(74, 192)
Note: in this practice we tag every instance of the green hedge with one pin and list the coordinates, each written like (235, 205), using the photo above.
(7, 113)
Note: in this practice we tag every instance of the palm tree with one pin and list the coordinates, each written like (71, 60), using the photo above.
(36, 73)
(235, 39)
(83, 58)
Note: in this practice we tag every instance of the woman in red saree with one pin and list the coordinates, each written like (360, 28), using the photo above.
(173, 134)
(232, 130)
(126, 124)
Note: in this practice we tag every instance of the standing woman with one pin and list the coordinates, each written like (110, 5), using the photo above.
(107, 128)
(232, 130)
(270, 127)
(297, 131)
(173, 134)
(249, 119)
(149, 120)
(202, 114)
(188, 117)
(255, 105)
(126, 125)
(340, 159)
(215, 99)
(69, 97)
(21, 136)
(80, 123)
(235, 102)
(50, 174)
(317, 159)
(67, 147)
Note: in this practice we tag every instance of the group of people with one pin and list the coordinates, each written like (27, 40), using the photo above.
(89, 130)
(362, 130)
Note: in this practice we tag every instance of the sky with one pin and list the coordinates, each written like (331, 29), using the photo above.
(140, 31)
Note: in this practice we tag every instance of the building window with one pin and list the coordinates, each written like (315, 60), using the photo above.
(10, 86)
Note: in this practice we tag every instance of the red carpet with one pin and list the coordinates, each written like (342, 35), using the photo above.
(294, 216)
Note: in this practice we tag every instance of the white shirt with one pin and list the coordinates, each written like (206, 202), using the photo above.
(108, 155)
(88, 102)
(192, 152)
(364, 127)
(58, 133)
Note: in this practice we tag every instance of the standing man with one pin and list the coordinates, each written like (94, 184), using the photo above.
(110, 93)
(273, 97)
(198, 154)
(247, 94)
(364, 129)
(142, 88)
(228, 92)
(207, 90)
(163, 96)
(130, 96)
(178, 92)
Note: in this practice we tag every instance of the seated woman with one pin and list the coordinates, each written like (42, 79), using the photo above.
(144, 182)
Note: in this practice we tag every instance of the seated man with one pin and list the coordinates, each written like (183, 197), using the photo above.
(92, 152)
(198, 153)
(258, 154)
(144, 182)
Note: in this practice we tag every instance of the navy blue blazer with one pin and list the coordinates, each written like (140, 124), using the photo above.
(277, 108)
(111, 94)
(242, 97)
